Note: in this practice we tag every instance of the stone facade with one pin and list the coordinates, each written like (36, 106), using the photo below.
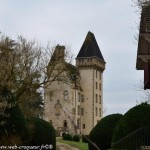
(75, 105)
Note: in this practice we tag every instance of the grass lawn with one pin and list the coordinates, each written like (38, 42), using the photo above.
(80, 145)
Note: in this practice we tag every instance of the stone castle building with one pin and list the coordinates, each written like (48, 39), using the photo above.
(74, 99)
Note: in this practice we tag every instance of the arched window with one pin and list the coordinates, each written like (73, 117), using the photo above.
(57, 108)
(65, 124)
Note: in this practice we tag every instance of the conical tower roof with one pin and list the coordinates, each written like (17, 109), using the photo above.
(90, 48)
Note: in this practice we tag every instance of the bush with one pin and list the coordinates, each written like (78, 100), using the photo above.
(41, 133)
(84, 140)
(13, 126)
(15, 131)
(102, 133)
(135, 118)
(67, 137)
(76, 138)
(63, 134)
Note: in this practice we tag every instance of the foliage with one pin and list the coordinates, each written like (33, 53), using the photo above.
(41, 132)
(140, 3)
(84, 140)
(13, 127)
(24, 71)
(134, 119)
(76, 138)
(67, 137)
(22, 68)
(63, 134)
(15, 130)
(102, 133)
(33, 107)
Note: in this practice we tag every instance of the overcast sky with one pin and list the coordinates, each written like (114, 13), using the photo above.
(113, 22)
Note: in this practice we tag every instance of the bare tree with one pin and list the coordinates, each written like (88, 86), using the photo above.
(141, 3)
(24, 70)
(145, 98)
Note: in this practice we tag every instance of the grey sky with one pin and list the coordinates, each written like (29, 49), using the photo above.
(113, 22)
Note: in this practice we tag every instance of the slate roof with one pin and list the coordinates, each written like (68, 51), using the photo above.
(90, 48)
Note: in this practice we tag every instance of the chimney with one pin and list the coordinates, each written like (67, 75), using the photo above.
(59, 53)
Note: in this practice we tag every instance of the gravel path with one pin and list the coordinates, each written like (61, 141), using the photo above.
(62, 146)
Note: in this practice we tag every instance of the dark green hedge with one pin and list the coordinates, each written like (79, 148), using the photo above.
(84, 140)
(135, 118)
(15, 127)
(102, 133)
(67, 137)
(16, 130)
(76, 138)
(41, 132)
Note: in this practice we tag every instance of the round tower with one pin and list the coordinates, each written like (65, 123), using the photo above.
(91, 64)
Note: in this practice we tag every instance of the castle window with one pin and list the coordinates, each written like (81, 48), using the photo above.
(96, 112)
(83, 126)
(100, 113)
(65, 123)
(96, 73)
(78, 97)
(100, 99)
(78, 110)
(82, 98)
(100, 87)
(100, 75)
(96, 98)
(51, 94)
(96, 85)
(82, 111)
(58, 108)
(65, 95)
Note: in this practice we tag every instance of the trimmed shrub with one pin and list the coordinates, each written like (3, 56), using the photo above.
(76, 138)
(135, 118)
(67, 137)
(63, 134)
(102, 133)
(41, 133)
(84, 140)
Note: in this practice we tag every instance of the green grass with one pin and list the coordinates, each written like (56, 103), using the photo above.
(80, 145)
